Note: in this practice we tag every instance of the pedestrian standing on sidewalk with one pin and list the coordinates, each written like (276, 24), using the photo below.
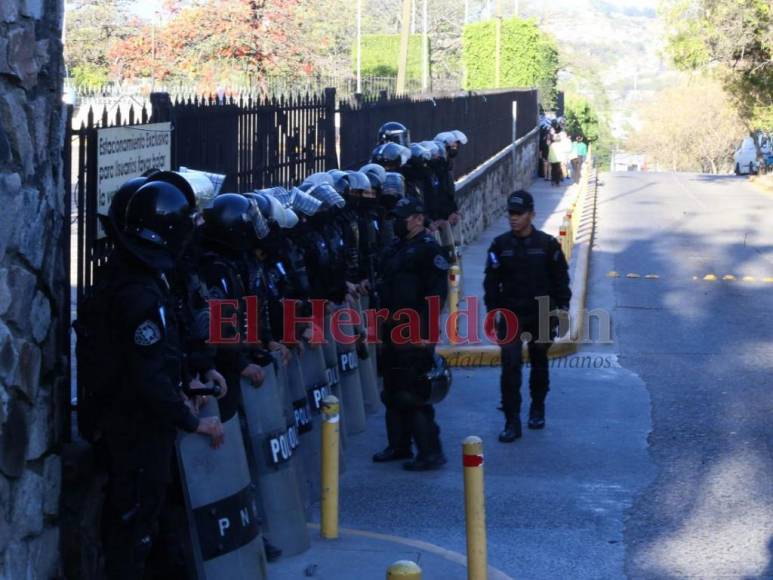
(555, 156)
(525, 265)
(581, 151)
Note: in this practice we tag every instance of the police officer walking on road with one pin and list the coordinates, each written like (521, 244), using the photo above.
(412, 270)
(524, 270)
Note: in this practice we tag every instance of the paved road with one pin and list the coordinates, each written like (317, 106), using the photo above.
(656, 462)
(704, 349)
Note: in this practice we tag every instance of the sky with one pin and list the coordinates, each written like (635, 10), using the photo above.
(147, 7)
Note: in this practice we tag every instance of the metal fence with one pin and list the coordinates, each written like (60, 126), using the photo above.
(254, 142)
(486, 119)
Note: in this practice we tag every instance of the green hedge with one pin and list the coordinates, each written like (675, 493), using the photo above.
(381, 53)
(529, 57)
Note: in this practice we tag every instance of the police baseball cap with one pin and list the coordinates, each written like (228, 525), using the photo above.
(408, 206)
(520, 202)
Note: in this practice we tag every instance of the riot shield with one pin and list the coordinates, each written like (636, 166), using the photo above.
(221, 503)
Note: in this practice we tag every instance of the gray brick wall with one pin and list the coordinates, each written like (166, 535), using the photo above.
(33, 286)
(481, 195)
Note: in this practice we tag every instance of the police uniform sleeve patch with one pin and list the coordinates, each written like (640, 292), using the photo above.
(440, 262)
(147, 334)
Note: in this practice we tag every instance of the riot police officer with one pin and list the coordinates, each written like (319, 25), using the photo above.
(146, 409)
(412, 271)
(394, 132)
(524, 265)
(232, 226)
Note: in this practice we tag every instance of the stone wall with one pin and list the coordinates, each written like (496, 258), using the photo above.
(33, 286)
(481, 195)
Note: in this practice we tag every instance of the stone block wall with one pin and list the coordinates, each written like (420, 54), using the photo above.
(33, 286)
(481, 195)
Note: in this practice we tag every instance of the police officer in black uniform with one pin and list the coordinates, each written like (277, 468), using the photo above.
(524, 265)
(412, 270)
(147, 408)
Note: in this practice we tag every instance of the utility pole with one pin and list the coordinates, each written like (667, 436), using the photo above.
(413, 17)
(466, 11)
(498, 49)
(359, 46)
(402, 65)
(515, 8)
(425, 48)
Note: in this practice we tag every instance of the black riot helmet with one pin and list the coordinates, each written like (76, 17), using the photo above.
(420, 156)
(395, 133)
(158, 224)
(437, 382)
(233, 222)
(340, 181)
(393, 189)
(359, 182)
(376, 174)
(115, 223)
(391, 156)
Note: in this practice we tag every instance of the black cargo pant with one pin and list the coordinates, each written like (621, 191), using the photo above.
(408, 416)
(140, 470)
(512, 365)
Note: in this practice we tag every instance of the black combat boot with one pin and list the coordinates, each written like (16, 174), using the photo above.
(392, 454)
(512, 430)
(537, 415)
(272, 552)
(427, 463)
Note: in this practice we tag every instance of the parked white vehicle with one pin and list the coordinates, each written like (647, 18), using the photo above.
(745, 158)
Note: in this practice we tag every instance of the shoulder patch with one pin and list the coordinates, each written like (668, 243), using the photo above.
(440, 262)
(147, 334)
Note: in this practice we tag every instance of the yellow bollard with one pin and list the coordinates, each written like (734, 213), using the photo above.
(404, 570)
(330, 451)
(474, 508)
(454, 277)
(562, 239)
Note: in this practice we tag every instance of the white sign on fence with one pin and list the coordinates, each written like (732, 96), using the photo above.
(127, 152)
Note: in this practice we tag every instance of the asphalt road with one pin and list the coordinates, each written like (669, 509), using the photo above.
(704, 350)
(656, 462)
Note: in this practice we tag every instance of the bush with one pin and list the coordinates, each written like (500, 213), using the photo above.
(529, 57)
(381, 54)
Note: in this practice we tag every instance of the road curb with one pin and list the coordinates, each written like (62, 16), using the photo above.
(489, 355)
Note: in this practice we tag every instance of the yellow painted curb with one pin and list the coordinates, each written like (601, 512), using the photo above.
(450, 555)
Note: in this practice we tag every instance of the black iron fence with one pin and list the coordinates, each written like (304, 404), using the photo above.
(254, 142)
(486, 119)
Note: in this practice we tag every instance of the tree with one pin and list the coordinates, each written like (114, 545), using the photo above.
(529, 57)
(672, 136)
(732, 39)
(92, 28)
(220, 41)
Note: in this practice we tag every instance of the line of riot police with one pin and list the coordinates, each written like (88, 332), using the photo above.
(152, 381)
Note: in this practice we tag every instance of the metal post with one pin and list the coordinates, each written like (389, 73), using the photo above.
(515, 138)
(402, 65)
(425, 49)
(404, 570)
(359, 46)
(498, 49)
(453, 303)
(330, 456)
(474, 508)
